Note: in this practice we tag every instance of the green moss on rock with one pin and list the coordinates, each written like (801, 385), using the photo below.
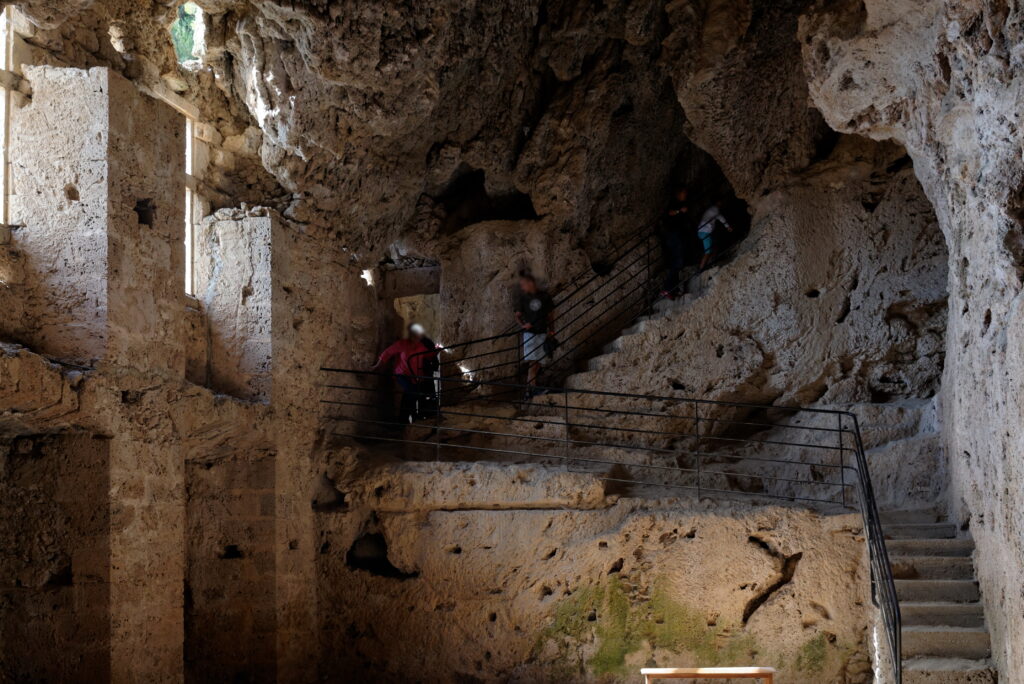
(624, 623)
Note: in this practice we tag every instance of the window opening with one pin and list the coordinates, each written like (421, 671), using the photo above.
(186, 32)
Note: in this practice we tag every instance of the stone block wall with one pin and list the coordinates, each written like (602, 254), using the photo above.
(54, 553)
(230, 614)
(99, 201)
(233, 282)
(60, 203)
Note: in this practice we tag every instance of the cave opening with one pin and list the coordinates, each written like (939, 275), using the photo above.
(699, 174)
(466, 201)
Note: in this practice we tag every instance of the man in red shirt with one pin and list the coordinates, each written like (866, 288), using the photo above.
(408, 359)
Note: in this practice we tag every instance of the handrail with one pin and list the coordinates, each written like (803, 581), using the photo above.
(702, 445)
(572, 303)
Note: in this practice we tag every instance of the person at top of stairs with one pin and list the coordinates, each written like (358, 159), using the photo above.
(672, 242)
(705, 230)
(535, 314)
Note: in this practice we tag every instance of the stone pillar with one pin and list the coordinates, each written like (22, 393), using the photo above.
(233, 281)
(99, 192)
(99, 195)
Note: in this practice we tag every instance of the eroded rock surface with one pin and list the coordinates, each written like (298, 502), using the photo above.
(876, 144)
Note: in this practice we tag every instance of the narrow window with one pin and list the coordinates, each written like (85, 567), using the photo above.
(190, 229)
(6, 64)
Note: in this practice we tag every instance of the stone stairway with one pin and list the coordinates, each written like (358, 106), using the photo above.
(945, 640)
(696, 285)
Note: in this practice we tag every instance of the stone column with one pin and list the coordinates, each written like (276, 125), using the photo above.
(100, 193)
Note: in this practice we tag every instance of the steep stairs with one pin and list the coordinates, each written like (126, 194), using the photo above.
(945, 640)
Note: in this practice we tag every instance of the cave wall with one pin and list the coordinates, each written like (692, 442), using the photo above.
(838, 295)
(496, 583)
(944, 79)
(560, 104)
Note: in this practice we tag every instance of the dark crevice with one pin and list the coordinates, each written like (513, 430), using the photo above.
(146, 211)
(370, 553)
(230, 552)
(844, 311)
(465, 202)
(328, 498)
(785, 576)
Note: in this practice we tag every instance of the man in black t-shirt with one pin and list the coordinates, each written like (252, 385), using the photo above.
(674, 228)
(535, 315)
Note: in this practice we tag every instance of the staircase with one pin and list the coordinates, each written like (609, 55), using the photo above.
(944, 638)
(918, 564)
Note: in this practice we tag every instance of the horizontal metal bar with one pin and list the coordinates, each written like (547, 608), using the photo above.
(649, 397)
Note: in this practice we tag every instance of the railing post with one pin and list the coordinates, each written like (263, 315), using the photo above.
(842, 460)
(437, 417)
(565, 431)
(696, 432)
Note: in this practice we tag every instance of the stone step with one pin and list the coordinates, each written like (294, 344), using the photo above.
(948, 671)
(936, 614)
(637, 328)
(920, 531)
(930, 547)
(912, 517)
(955, 591)
(931, 567)
(600, 362)
(971, 643)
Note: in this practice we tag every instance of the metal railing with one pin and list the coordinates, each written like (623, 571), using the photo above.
(791, 454)
(591, 310)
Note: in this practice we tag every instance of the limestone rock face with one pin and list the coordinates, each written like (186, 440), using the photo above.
(838, 295)
(877, 145)
(506, 594)
(944, 79)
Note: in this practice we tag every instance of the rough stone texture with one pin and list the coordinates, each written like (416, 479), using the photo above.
(583, 594)
(98, 249)
(484, 137)
(55, 539)
(838, 295)
(944, 79)
(233, 282)
(230, 618)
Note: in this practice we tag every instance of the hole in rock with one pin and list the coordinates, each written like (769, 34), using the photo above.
(546, 591)
(616, 566)
(987, 322)
(146, 211)
(328, 497)
(592, 616)
(706, 184)
(493, 617)
(370, 553)
(62, 577)
(466, 201)
(186, 32)
(71, 192)
(230, 551)
(456, 549)
(812, 294)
